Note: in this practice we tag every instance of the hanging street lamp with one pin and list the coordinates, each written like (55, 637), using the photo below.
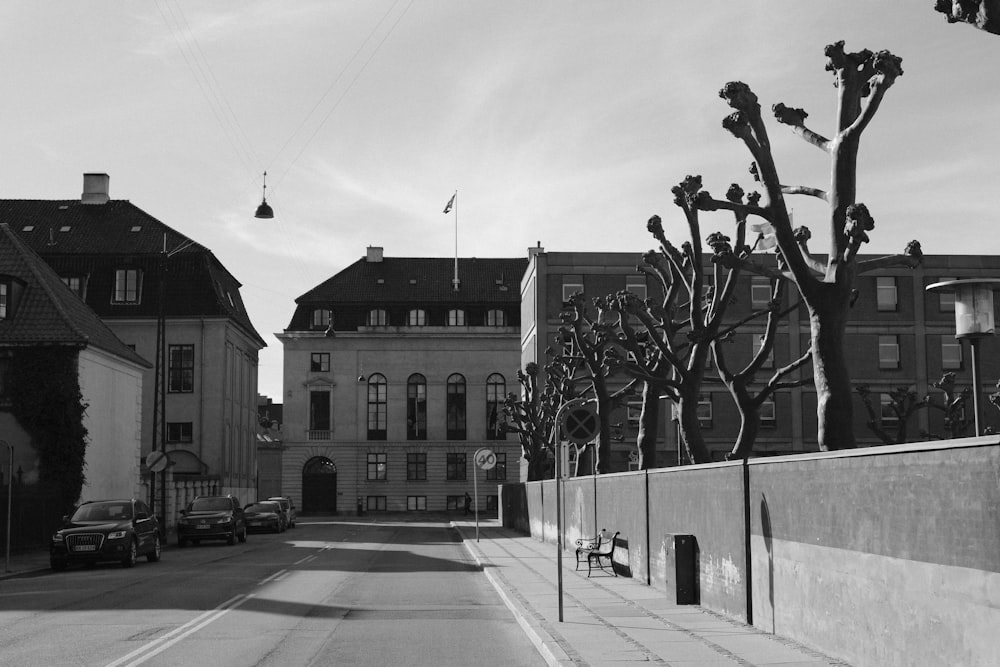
(264, 210)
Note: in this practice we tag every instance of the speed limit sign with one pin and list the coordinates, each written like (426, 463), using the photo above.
(485, 459)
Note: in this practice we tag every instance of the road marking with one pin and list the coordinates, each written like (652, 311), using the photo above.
(304, 560)
(161, 644)
(274, 577)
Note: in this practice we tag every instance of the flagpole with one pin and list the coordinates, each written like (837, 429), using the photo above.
(454, 282)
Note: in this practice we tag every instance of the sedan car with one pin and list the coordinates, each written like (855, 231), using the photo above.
(287, 508)
(264, 516)
(212, 518)
(106, 530)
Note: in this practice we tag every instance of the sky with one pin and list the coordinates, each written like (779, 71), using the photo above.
(558, 123)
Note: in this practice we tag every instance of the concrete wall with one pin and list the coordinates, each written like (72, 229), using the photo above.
(878, 556)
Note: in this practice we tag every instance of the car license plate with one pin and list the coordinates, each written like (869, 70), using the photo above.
(85, 547)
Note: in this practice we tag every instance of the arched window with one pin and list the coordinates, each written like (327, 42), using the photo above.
(496, 391)
(416, 407)
(377, 317)
(417, 317)
(455, 407)
(377, 407)
(321, 318)
(496, 318)
(456, 317)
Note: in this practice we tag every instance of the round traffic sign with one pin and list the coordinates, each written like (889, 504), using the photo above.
(485, 458)
(156, 461)
(581, 423)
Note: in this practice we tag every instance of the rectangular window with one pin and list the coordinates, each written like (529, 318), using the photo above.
(4, 299)
(633, 411)
(456, 318)
(321, 318)
(375, 503)
(888, 352)
(951, 353)
(499, 471)
(760, 292)
(378, 464)
(416, 318)
(888, 415)
(946, 298)
(416, 466)
(320, 424)
(636, 285)
(128, 286)
(570, 286)
(768, 413)
(758, 342)
(492, 503)
(454, 503)
(180, 368)
(705, 410)
(75, 285)
(319, 362)
(496, 318)
(416, 503)
(180, 432)
(377, 317)
(456, 468)
(885, 293)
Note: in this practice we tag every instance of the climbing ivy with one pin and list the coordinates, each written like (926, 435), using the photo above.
(44, 389)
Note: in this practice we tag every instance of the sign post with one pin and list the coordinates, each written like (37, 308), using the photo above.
(486, 460)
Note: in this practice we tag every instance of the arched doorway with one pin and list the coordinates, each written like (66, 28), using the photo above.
(319, 486)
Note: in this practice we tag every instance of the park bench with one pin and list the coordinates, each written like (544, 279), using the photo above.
(595, 549)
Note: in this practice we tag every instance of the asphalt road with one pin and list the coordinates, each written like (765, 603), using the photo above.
(327, 592)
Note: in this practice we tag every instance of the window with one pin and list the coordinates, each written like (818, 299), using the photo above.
(570, 286)
(75, 285)
(416, 407)
(377, 407)
(180, 368)
(455, 466)
(128, 286)
(705, 410)
(499, 471)
(454, 502)
(375, 503)
(888, 352)
(416, 503)
(455, 407)
(377, 466)
(417, 317)
(320, 423)
(492, 503)
(456, 317)
(319, 362)
(887, 411)
(885, 293)
(768, 414)
(951, 353)
(377, 317)
(946, 303)
(496, 318)
(633, 410)
(760, 292)
(179, 432)
(636, 285)
(758, 342)
(416, 466)
(322, 318)
(496, 392)
(4, 299)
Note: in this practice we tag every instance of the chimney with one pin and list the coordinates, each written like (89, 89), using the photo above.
(374, 254)
(95, 189)
(536, 250)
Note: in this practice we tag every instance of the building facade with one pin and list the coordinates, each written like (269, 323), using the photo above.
(899, 335)
(395, 372)
(134, 271)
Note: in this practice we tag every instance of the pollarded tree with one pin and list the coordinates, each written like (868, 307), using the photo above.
(904, 403)
(983, 14)
(532, 416)
(826, 287)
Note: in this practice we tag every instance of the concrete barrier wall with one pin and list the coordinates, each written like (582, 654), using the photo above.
(879, 556)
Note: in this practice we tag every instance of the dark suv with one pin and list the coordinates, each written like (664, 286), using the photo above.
(106, 530)
(212, 518)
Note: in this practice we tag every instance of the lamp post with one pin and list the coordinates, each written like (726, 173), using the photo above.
(973, 321)
(10, 487)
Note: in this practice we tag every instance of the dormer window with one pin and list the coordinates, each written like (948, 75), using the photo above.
(456, 317)
(321, 318)
(128, 286)
(416, 318)
(4, 299)
(377, 317)
(76, 284)
(496, 318)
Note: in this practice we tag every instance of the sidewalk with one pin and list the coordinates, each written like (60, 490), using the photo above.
(609, 620)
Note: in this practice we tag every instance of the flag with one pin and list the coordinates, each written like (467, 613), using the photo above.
(451, 202)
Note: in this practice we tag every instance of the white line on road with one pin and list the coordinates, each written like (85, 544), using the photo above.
(177, 634)
(304, 560)
(274, 577)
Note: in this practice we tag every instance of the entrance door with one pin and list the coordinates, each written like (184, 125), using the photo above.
(319, 486)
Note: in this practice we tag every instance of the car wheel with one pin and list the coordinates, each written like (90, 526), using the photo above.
(57, 564)
(133, 554)
(154, 555)
(231, 540)
(243, 536)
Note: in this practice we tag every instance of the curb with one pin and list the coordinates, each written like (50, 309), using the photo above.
(542, 641)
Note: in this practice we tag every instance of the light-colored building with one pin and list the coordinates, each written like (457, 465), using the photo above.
(395, 372)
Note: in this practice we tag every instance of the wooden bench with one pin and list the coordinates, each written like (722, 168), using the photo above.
(595, 549)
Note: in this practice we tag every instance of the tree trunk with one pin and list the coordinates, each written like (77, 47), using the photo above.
(649, 425)
(690, 429)
(749, 428)
(602, 450)
(834, 405)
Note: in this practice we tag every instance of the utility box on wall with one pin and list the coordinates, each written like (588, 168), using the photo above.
(681, 568)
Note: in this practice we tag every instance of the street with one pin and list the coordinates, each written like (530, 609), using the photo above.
(327, 592)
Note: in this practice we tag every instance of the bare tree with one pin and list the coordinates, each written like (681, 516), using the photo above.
(904, 403)
(532, 416)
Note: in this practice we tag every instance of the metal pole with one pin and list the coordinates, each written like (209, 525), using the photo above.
(10, 487)
(475, 492)
(974, 348)
(557, 449)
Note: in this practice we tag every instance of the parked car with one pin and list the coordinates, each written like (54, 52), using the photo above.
(264, 516)
(288, 507)
(212, 518)
(106, 530)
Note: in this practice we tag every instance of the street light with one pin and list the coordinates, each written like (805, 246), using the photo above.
(973, 321)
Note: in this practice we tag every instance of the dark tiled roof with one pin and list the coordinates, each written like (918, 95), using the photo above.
(424, 280)
(93, 240)
(44, 311)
